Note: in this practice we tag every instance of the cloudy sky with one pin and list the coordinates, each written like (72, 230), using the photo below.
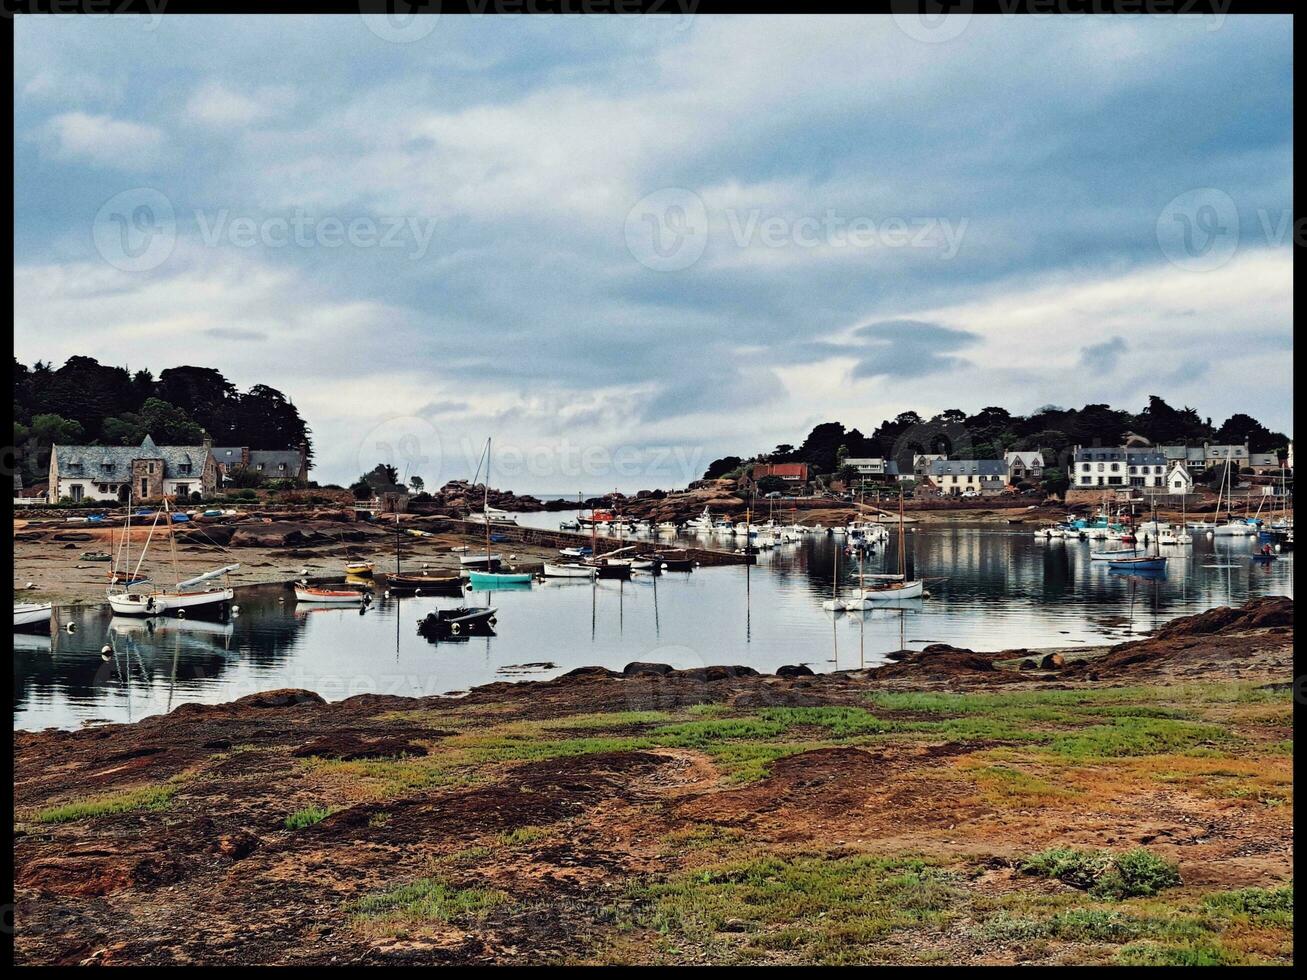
(625, 246)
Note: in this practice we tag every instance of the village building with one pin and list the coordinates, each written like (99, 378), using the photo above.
(1024, 466)
(796, 473)
(1179, 481)
(1102, 466)
(144, 472)
(954, 477)
(922, 462)
(270, 464)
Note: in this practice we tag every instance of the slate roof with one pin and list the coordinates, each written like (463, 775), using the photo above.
(990, 469)
(114, 463)
(273, 459)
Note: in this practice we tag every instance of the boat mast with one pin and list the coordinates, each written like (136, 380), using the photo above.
(903, 561)
(485, 505)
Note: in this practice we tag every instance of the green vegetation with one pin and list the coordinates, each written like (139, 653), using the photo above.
(814, 908)
(125, 801)
(1129, 874)
(306, 817)
(424, 900)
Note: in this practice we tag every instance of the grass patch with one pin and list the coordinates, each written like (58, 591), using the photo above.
(421, 901)
(1136, 736)
(1203, 953)
(126, 801)
(522, 835)
(306, 817)
(816, 908)
(1263, 906)
(1129, 874)
(1006, 786)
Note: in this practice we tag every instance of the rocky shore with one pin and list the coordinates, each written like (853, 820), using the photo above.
(1131, 804)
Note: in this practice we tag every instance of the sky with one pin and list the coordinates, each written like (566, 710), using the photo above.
(622, 247)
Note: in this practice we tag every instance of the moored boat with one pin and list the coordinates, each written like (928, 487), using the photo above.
(568, 570)
(360, 568)
(309, 593)
(31, 613)
(492, 580)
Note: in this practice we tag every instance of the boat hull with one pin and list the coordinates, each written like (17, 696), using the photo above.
(329, 596)
(553, 570)
(32, 614)
(895, 592)
(484, 580)
(159, 603)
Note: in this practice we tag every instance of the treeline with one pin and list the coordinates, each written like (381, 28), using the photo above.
(91, 403)
(993, 431)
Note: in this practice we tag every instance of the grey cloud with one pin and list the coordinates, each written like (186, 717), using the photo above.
(910, 348)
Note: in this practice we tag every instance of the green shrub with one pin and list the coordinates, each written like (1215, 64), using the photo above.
(1132, 873)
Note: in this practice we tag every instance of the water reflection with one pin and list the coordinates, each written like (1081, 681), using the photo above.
(990, 590)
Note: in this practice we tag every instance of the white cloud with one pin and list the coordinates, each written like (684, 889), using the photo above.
(104, 141)
(216, 104)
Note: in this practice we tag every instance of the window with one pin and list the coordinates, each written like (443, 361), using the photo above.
(76, 490)
(145, 487)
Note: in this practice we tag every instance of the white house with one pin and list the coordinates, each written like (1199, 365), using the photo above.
(1178, 481)
(953, 477)
(144, 472)
(1024, 465)
(1102, 466)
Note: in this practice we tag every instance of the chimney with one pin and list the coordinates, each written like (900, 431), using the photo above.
(208, 440)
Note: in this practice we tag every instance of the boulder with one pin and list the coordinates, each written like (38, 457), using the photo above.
(794, 670)
(1053, 661)
(638, 667)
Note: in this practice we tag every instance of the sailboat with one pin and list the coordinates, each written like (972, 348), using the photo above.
(31, 613)
(129, 601)
(897, 587)
(1150, 564)
(491, 577)
(420, 582)
(1233, 527)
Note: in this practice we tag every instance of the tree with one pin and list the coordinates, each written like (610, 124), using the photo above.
(417, 483)
(720, 467)
(165, 423)
(771, 484)
(1240, 428)
(33, 441)
(1056, 481)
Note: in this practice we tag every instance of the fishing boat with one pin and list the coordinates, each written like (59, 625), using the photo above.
(361, 568)
(581, 552)
(309, 593)
(485, 562)
(666, 529)
(182, 598)
(1267, 554)
(31, 613)
(569, 525)
(673, 561)
(568, 570)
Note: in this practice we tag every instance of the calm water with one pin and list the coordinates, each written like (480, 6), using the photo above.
(999, 589)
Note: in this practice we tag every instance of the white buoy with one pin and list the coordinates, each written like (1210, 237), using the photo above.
(71, 628)
(281, 598)
(31, 585)
(106, 650)
(181, 613)
(235, 608)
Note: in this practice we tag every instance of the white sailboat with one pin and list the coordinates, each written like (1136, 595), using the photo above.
(31, 613)
(130, 600)
(895, 587)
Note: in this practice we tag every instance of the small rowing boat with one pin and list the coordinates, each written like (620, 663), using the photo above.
(308, 593)
(363, 568)
(493, 580)
(566, 570)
